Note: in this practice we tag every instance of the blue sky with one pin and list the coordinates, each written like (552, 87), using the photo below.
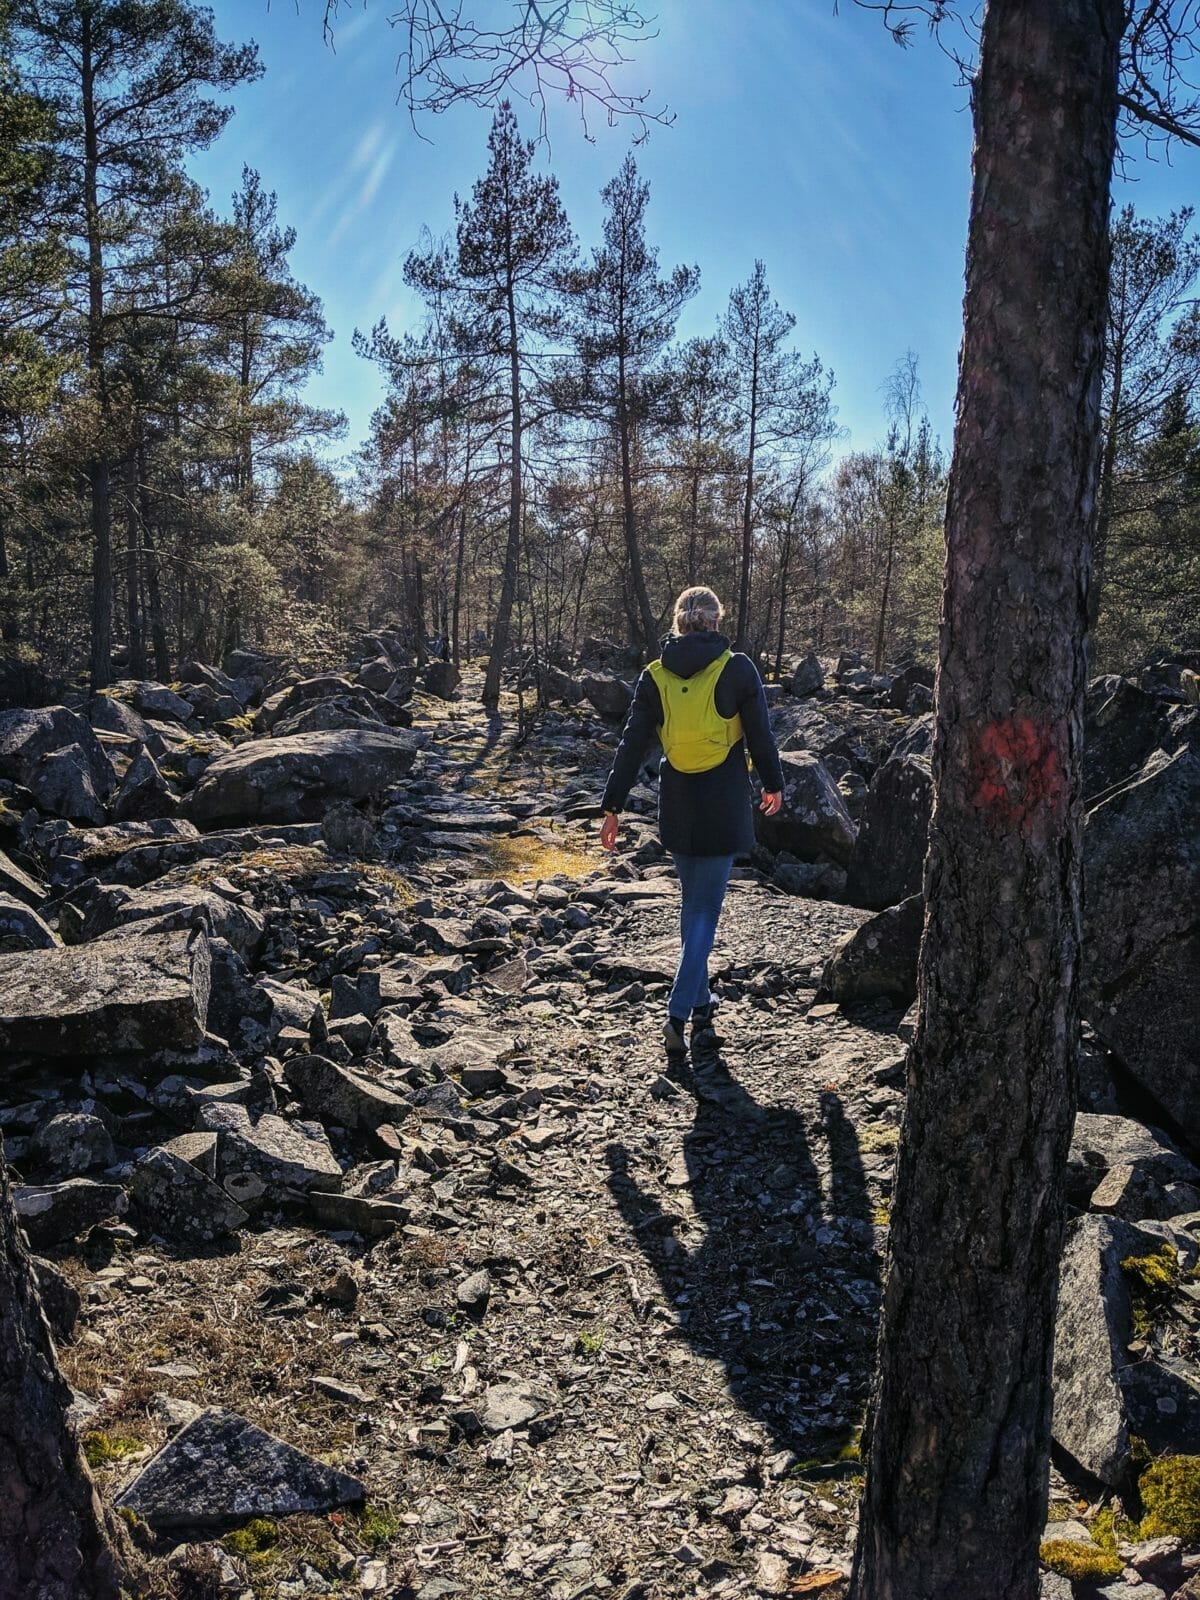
(805, 138)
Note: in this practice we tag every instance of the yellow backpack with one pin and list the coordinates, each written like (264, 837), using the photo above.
(695, 736)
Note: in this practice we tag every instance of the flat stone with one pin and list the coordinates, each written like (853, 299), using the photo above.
(297, 778)
(348, 1393)
(221, 1467)
(346, 1098)
(73, 1143)
(278, 1152)
(375, 1217)
(57, 1212)
(140, 993)
(511, 1405)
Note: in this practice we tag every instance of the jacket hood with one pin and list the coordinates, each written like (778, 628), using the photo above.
(686, 654)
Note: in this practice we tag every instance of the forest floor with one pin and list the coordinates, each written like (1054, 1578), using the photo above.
(657, 1386)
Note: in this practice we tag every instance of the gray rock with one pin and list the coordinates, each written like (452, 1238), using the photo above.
(111, 715)
(26, 736)
(918, 741)
(1101, 1145)
(21, 928)
(377, 675)
(144, 792)
(1103, 1395)
(814, 823)
(144, 992)
(62, 785)
(1123, 726)
(345, 1098)
(61, 1300)
(199, 1150)
(374, 1216)
(176, 1200)
(879, 959)
(56, 1213)
(442, 679)
(221, 1467)
(299, 778)
(808, 677)
(17, 883)
(606, 693)
(281, 1153)
(156, 700)
(905, 682)
(185, 906)
(893, 831)
(73, 1143)
(512, 1405)
(1141, 943)
(474, 1292)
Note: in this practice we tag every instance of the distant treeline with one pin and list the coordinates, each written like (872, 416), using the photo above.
(550, 461)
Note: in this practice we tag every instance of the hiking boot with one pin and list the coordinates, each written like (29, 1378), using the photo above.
(674, 1038)
(704, 1028)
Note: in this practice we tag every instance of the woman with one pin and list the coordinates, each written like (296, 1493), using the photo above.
(707, 705)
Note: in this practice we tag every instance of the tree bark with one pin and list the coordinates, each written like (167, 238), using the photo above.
(743, 610)
(960, 1430)
(647, 630)
(512, 549)
(54, 1539)
(99, 473)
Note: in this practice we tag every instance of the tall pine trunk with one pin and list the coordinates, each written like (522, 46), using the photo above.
(54, 1541)
(959, 1436)
(99, 473)
(747, 558)
(512, 549)
(648, 634)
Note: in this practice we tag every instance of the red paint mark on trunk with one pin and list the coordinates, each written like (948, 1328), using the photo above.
(1017, 773)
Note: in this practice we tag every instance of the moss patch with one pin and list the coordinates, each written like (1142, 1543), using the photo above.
(254, 1541)
(1071, 1558)
(529, 860)
(878, 1137)
(102, 1449)
(1170, 1491)
(1152, 1280)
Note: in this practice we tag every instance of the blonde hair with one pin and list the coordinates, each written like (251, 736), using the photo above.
(698, 610)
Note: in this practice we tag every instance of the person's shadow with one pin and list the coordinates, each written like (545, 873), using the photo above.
(784, 1287)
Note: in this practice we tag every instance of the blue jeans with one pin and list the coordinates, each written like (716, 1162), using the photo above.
(702, 880)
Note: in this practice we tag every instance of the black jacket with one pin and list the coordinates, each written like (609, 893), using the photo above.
(700, 813)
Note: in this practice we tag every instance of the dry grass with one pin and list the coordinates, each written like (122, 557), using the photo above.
(525, 859)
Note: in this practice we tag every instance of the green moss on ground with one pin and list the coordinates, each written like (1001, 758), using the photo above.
(1170, 1491)
(1071, 1558)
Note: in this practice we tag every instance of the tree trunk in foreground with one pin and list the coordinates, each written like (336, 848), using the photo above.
(54, 1541)
(960, 1432)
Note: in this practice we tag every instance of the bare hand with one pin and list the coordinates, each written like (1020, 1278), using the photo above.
(770, 804)
(608, 831)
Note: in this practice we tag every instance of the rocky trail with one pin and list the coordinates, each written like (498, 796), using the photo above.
(384, 1256)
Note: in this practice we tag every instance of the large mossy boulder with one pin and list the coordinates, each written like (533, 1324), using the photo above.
(297, 779)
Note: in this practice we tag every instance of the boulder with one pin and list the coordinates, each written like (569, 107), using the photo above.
(442, 679)
(1123, 1158)
(157, 701)
(286, 702)
(1104, 1396)
(808, 677)
(345, 1098)
(285, 1155)
(76, 853)
(61, 784)
(26, 736)
(17, 883)
(21, 928)
(183, 907)
(221, 1468)
(110, 715)
(606, 693)
(297, 779)
(377, 675)
(1141, 945)
(55, 1213)
(144, 792)
(175, 1199)
(917, 741)
(893, 830)
(71, 1144)
(879, 959)
(906, 680)
(143, 992)
(61, 1300)
(1123, 726)
(814, 824)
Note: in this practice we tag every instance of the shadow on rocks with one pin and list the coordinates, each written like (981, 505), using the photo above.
(783, 1290)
